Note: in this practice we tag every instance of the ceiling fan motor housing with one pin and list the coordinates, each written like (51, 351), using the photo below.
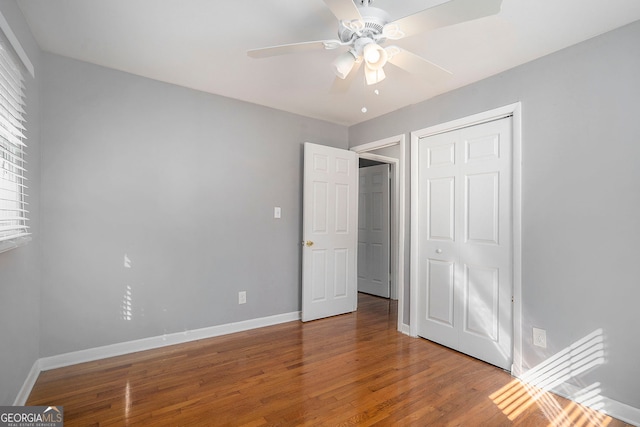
(374, 20)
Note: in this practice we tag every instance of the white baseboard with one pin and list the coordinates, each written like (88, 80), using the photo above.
(621, 411)
(25, 391)
(405, 329)
(119, 349)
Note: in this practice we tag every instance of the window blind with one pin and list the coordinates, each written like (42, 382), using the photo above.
(13, 204)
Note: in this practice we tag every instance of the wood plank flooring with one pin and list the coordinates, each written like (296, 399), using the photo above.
(354, 369)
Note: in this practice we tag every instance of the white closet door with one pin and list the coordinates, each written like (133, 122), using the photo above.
(465, 240)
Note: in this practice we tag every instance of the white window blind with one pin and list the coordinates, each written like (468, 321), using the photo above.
(13, 204)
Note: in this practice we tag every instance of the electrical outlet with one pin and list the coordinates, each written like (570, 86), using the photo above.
(540, 337)
(242, 297)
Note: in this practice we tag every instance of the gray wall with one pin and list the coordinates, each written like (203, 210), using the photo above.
(581, 202)
(20, 268)
(181, 183)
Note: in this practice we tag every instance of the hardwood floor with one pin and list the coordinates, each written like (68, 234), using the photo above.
(354, 369)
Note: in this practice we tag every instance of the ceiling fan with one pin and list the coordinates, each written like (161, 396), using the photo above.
(365, 29)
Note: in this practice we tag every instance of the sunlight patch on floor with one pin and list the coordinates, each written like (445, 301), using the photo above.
(534, 386)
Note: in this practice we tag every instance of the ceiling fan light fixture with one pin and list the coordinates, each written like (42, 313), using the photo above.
(343, 64)
(374, 56)
(373, 76)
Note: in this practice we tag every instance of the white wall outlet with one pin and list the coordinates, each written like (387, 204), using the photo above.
(242, 297)
(277, 212)
(540, 337)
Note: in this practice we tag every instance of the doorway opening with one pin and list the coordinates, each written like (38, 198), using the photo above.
(374, 229)
(391, 151)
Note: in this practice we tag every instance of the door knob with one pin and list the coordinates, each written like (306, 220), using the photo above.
(438, 251)
(308, 243)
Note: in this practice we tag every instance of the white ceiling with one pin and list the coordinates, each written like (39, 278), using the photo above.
(202, 44)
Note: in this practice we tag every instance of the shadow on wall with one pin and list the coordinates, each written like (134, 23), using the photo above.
(534, 386)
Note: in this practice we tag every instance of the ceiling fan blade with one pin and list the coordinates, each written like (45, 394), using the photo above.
(343, 85)
(344, 10)
(418, 65)
(285, 49)
(449, 13)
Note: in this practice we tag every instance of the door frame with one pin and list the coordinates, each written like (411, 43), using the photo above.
(398, 227)
(514, 110)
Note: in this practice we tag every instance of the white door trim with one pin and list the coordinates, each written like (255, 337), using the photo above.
(514, 110)
(398, 172)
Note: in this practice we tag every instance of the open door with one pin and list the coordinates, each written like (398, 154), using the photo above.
(330, 232)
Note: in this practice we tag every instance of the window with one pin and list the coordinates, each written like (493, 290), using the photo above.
(13, 205)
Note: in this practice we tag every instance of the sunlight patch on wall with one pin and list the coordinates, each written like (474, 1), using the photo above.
(126, 306)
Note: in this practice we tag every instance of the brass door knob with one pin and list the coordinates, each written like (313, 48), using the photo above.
(308, 243)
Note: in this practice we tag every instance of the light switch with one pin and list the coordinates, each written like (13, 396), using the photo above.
(277, 212)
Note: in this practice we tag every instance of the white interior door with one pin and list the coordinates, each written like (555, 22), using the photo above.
(373, 231)
(465, 240)
(329, 217)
